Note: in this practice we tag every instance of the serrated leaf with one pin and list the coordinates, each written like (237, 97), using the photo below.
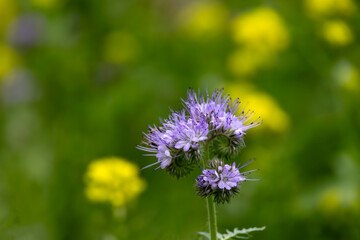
(235, 234)
(207, 235)
(244, 233)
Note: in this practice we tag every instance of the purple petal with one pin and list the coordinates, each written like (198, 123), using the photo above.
(221, 184)
(165, 163)
(187, 146)
(180, 144)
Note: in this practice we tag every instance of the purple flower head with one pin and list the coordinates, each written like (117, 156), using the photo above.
(220, 112)
(221, 180)
(178, 140)
(190, 133)
(199, 107)
(224, 177)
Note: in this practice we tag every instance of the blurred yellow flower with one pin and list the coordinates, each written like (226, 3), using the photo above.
(203, 18)
(274, 118)
(113, 180)
(247, 61)
(8, 60)
(321, 8)
(261, 34)
(261, 28)
(120, 47)
(45, 4)
(347, 76)
(337, 33)
(8, 11)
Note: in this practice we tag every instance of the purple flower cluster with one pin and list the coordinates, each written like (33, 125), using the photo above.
(224, 177)
(221, 180)
(202, 118)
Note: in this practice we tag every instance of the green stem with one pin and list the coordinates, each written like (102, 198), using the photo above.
(211, 217)
(210, 200)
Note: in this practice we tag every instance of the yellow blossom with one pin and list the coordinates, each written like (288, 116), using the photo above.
(261, 28)
(120, 47)
(321, 8)
(337, 33)
(8, 60)
(247, 61)
(261, 34)
(113, 180)
(264, 105)
(203, 18)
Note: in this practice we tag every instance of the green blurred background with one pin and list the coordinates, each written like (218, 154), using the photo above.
(81, 79)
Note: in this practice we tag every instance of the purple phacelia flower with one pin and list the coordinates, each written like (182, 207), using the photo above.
(220, 111)
(190, 134)
(203, 118)
(224, 177)
(221, 180)
(164, 156)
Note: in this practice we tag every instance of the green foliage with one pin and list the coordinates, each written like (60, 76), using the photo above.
(100, 71)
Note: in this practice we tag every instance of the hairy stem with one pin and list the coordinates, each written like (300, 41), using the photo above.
(210, 200)
(211, 217)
